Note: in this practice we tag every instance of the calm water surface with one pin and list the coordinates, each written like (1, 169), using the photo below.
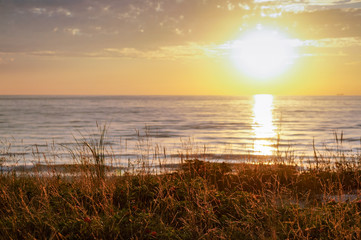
(225, 125)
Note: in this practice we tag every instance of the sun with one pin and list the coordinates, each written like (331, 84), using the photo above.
(263, 54)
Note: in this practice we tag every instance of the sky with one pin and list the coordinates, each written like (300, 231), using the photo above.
(176, 47)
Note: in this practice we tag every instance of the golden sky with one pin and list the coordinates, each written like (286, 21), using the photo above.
(176, 47)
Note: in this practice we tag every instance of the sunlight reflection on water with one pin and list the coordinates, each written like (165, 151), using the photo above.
(263, 127)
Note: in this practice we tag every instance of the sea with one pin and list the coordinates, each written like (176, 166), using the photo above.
(40, 129)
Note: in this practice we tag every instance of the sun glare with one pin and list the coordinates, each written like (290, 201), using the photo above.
(263, 53)
(263, 126)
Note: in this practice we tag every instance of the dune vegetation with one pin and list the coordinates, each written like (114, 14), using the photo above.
(199, 200)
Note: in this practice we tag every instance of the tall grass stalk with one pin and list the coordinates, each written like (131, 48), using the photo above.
(90, 153)
(97, 149)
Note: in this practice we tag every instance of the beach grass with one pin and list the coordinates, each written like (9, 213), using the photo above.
(276, 199)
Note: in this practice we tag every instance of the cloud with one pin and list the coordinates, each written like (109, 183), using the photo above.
(339, 47)
(334, 42)
(50, 12)
(193, 50)
(163, 53)
(6, 59)
(308, 2)
(132, 13)
(44, 53)
(84, 25)
(275, 8)
(187, 51)
(73, 31)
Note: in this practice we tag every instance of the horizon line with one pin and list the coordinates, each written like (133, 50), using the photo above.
(179, 95)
